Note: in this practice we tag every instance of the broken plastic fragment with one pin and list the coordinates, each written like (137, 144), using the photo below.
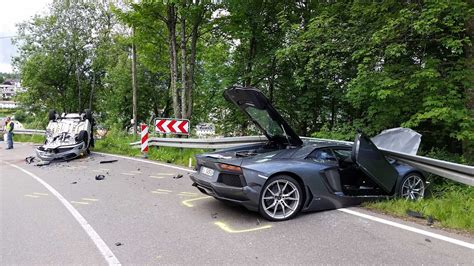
(99, 177)
(177, 176)
(415, 214)
(30, 159)
(108, 161)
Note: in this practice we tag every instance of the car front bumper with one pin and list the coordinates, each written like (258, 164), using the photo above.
(61, 152)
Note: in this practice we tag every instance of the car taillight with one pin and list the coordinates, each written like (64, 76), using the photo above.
(230, 168)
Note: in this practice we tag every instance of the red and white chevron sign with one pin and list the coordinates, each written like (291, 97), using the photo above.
(172, 126)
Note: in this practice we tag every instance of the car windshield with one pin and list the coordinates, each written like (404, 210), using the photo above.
(265, 121)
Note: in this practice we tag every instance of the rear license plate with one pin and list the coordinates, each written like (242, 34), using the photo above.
(207, 171)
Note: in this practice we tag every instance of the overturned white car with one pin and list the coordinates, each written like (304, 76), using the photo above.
(67, 136)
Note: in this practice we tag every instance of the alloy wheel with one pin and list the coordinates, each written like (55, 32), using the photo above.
(280, 199)
(413, 188)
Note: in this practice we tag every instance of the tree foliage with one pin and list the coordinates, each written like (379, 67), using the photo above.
(327, 66)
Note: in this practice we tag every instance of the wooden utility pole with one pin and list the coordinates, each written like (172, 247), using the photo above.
(134, 82)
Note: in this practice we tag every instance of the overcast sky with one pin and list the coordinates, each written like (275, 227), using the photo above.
(13, 12)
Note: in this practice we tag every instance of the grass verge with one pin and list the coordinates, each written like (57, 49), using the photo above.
(28, 138)
(451, 206)
(119, 143)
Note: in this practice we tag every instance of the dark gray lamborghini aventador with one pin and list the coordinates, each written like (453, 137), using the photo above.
(285, 175)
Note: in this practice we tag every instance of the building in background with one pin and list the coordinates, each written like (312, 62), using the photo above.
(8, 105)
(10, 88)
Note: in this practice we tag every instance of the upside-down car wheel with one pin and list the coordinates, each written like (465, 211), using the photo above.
(281, 198)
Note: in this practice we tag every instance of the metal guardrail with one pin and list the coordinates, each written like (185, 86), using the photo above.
(216, 143)
(457, 172)
(454, 171)
(29, 131)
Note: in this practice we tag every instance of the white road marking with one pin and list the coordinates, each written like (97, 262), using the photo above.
(157, 177)
(409, 228)
(41, 194)
(127, 174)
(359, 214)
(90, 199)
(99, 243)
(31, 196)
(80, 202)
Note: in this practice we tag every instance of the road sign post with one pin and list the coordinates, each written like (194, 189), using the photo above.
(144, 139)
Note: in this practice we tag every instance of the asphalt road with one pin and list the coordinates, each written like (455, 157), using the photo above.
(140, 214)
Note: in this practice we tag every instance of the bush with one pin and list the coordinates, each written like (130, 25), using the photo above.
(341, 133)
(20, 115)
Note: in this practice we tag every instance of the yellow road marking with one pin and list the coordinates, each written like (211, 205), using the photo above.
(41, 194)
(31, 196)
(127, 174)
(90, 199)
(159, 192)
(226, 228)
(186, 195)
(165, 174)
(163, 190)
(80, 202)
(159, 177)
(188, 204)
(189, 193)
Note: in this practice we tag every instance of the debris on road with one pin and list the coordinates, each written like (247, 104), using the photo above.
(99, 177)
(74, 182)
(118, 244)
(108, 161)
(430, 221)
(30, 159)
(43, 163)
(415, 214)
(177, 176)
(258, 221)
(214, 215)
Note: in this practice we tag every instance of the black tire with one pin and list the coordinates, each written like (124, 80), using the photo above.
(280, 193)
(412, 187)
(83, 137)
(88, 115)
(52, 115)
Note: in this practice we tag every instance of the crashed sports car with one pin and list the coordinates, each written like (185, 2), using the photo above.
(67, 136)
(285, 175)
